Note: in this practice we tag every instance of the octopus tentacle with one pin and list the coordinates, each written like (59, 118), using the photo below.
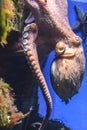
(32, 3)
(30, 18)
(36, 4)
(42, 2)
(31, 55)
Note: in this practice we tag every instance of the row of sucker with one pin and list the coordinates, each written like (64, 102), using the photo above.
(31, 55)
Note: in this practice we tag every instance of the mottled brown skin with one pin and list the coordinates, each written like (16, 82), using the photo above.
(48, 29)
(67, 74)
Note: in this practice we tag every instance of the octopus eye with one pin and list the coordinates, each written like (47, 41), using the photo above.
(60, 48)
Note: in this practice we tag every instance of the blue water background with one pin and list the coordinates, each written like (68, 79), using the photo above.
(73, 114)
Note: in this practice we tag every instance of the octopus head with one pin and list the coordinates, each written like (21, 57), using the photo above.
(67, 69)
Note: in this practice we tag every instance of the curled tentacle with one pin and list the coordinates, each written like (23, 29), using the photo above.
(29, 36)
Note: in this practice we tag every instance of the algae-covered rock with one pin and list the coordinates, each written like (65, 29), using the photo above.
(9, 115)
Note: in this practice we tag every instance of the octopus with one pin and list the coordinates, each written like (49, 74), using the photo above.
(46, 29)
